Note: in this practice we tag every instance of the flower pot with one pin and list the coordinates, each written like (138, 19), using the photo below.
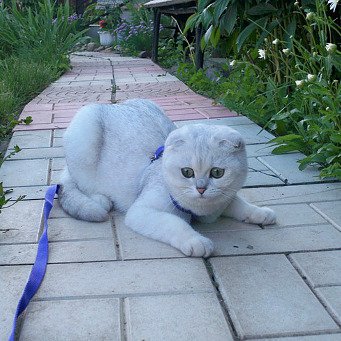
(93, 30)
(106, 38)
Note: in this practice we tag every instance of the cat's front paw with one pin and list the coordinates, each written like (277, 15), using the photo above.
(262, 216)
(197, 246)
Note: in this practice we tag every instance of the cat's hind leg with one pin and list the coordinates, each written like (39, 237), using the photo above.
(80, 206)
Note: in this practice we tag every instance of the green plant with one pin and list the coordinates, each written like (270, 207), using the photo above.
(285, 81)
(48, 29)
(4, 199)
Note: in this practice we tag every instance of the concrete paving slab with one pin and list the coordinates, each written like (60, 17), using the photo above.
(229, 121)
(318, 337)
(31, 192)
(286, 167)
(255, 165)
(15, 173)
(39, 153)
(283, 240)
(319, 268)
(58, 164)
(21, 222)
(260, 149)
(144, 277)
(253, 133)
(224, 224)
(58, 212)
(293, 194)
(63, 229)
(331, 211)
(13, 280)
(59, 132)
(29, 139)
(60, 252)
(57, 142)
(331, 296)
(136, 246)
(55, 176)
(176, 317)
(86, 319)
(265, 296)
(295, 214)
(262, 178)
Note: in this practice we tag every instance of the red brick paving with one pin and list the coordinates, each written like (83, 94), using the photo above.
(89, 82)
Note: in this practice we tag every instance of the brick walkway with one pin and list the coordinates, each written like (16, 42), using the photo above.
(104, 282)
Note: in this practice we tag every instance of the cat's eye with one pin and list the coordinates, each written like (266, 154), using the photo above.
(187, 172)
(217, 172)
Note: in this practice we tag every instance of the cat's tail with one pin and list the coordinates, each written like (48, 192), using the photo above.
(79, 205)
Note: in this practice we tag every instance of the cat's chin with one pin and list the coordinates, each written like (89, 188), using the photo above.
(202, 206)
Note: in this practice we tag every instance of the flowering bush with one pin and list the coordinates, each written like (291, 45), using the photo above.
(284, 72)
(134, 38)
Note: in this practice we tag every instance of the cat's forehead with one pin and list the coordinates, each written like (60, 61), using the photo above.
(200, 135)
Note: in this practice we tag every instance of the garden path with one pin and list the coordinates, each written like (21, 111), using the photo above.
(106, 282)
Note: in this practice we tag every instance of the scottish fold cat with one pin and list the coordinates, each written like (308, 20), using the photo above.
(109, 150)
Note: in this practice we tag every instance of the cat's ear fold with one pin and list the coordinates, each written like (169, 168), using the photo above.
(174, 141)
(234, 140)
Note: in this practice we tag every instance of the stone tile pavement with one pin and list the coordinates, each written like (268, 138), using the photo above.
(104, 281)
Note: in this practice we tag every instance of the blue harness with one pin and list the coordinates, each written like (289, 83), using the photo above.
(157, 155)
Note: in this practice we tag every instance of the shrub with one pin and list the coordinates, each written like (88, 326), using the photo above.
(286, 76)
(46, 29)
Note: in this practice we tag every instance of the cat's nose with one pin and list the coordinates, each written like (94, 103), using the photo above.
(201, 190)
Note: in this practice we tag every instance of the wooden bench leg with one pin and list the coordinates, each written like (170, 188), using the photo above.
(199, 54)
(156, 31)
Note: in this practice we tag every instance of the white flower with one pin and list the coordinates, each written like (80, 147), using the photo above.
(286, 51)
(261, 54)
(314, 54)
(327, 109)
(276, 41)
(296, 3)
(331, 47)
(233, 63)
(332, 4)
(300, 83)
(310, 16)
(311, 77)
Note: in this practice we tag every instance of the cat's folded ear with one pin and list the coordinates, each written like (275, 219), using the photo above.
(174, 140)
(233, 139)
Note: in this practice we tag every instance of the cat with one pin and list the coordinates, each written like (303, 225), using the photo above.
(109, 149)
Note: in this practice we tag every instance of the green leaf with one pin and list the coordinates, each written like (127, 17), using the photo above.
(208, 33)
(219, 8)
(266, 32)
(17, 149)
(284, 149)
(202, 4)
(215, 36)
(336, 137)
(290, 32)
(206, 17)
(286, 138)
(248, 30)
(262, 9)
(281, 116)
(191, 22)
(229, 19)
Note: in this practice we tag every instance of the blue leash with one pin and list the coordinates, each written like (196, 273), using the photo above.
(39, 267)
